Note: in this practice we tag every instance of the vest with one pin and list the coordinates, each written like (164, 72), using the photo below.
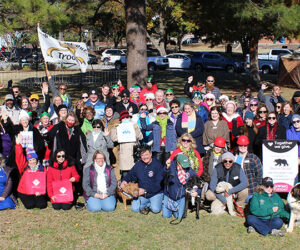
(233, 172)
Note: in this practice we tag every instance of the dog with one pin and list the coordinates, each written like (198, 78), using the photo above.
(279, 162)
(217, 206)
(130, 191)
(294, 204)
(193, 184)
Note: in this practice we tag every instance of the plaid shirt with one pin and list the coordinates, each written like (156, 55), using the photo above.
(253, 169)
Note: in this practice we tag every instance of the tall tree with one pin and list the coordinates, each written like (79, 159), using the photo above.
(136, 35)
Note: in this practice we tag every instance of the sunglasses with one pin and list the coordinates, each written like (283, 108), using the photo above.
(96, 126)
(262, 112)
(210, 81)
(34, 100)
(169, 94)
(60, 156)
(209, 99)
(269, 186)
(85, 97)
(63, 88)
(148, 100)
(115, 88)
(16, 92)
(143, 109)
(253, 105)
(297, 121)
(174, 107)
(271, 118)
(225, 161)
(162, 113)
(278, 107)
(186, 140)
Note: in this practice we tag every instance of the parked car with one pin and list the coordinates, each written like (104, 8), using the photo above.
(92, 59)
(154, 62)
(212, 60)
(272, 54)
(190, 40)
(179, 61)
(269, 66)
(110, 56)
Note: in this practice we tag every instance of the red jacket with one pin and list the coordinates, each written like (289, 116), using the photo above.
(178, 151)
(48, 151)
(55, 174)
(22, 164)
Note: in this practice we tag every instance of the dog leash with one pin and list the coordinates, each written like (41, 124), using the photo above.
(240, 211)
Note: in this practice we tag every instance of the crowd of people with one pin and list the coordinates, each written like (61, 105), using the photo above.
(61, 149)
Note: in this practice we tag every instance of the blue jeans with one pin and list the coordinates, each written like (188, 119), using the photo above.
(95, 205)
(167, 213)
(154, 203)
(264, 226)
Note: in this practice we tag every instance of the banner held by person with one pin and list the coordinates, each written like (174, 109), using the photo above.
(55, 51)
(280, 161)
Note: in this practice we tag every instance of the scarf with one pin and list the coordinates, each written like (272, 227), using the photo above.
(147, 133)
(192, 158)
(101, 180)
(181, 175)
(65, 99)
(95, 135)
(189, 122)
(163, 124)
(271, 131)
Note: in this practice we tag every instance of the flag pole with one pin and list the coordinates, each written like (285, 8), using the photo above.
(46, 65)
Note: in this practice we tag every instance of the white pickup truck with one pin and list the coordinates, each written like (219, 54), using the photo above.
(273, 54)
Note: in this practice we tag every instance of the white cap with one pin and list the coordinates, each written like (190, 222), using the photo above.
(22, 114)
(149, 96)
(210, 95)
(224, 97)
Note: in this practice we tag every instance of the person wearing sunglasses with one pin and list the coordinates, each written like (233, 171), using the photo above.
(209, 100)
(88, 118)
(60, 169)
(126, 104)
(135, 94)
(175, 111)
(271, 131)
(266, 210)
(211, 88)
(253, 106)
(98, 139)
(84, 97)
(247, 94)
(250, 163)
(261, 116)
(271, 99)
(186, 145)
(169, 94)
(285, 115)
(164, 134)
(230, 172)
(190, 122)
(294, 132)
(15, 91)
(243, 108)
(199, 106)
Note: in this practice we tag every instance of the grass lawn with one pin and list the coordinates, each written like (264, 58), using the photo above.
(50, 229)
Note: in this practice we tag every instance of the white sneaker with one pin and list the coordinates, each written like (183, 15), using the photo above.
(277, 232)
(251, 230)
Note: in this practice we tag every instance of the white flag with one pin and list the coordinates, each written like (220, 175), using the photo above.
(55, 51)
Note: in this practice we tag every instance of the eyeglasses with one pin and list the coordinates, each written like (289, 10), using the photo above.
(169, 94)
(60, 156)
(34, 100)
(296, 121)
(186, 140)
(262, 111)
(209, 99)
(225, 161)
(16, 92)
(162, 113)
(209, 80)
(278, 107)
(96, 126)
(63, 88)
(253, 105)
(115, 88)
(85, 97)
(271, 118)
(269, 186)
(174, 107)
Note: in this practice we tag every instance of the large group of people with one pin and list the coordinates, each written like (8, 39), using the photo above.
(112, 136)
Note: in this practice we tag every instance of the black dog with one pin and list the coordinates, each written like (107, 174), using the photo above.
(195, 183)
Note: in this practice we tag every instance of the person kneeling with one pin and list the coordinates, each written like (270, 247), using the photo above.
(234, 176)
(99, 185)
(148, 173)
(60, 176)
(178, 174)
(267, 209)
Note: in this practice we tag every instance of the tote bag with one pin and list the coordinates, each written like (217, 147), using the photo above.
(35, 182)
(63, 191)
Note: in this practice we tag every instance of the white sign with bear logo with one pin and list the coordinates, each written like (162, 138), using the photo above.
(280, 162)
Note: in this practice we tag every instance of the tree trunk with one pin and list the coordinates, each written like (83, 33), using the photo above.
(136, 35)
(254, 69)
(91, 39)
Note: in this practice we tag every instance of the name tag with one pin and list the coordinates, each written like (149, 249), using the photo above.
(246, 161)
(215, 127)
(235, 177)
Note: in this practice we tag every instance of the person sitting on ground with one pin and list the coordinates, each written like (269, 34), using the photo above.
(272, 99)
(99, 185)
(230, 172)
(26, 167)
(187, 145)
(60, 169)
(150, 88)
(179, 172)
(148, 173)
(267, 209)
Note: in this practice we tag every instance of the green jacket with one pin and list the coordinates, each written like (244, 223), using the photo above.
(86, 126)
(261, 205)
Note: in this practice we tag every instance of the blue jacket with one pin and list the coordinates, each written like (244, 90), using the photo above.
(175, 190)
(292, 134)
(149, 177)
(285, 121)
(196, 134)
(171, 140)
(99, 108)
(203, 112)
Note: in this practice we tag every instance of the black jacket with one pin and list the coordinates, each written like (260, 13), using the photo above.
(120, 107)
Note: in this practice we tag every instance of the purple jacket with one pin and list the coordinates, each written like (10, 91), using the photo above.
(5, 143)
(292, 134)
